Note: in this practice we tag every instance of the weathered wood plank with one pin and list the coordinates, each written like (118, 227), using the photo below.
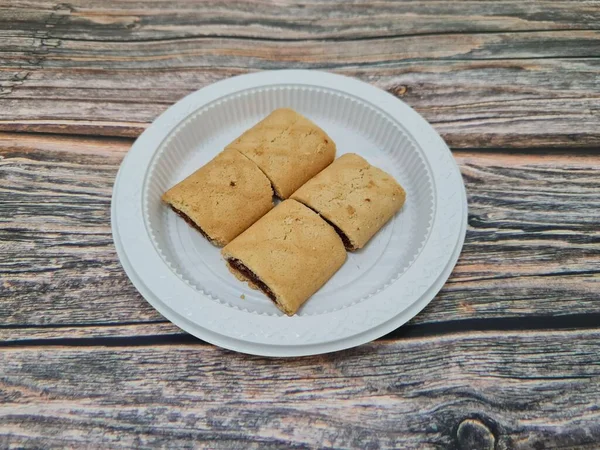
(55, 219)
(57, 334)
(480, 104)
(482, 85)
(280, 20)
(532, 249)
(514, 390)
(315, 54)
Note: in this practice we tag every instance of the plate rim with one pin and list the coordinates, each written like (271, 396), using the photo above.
(171, 118)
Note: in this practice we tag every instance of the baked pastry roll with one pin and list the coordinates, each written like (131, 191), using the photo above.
(353, 196)
(222, 198)
(288, 148)
(288, 254)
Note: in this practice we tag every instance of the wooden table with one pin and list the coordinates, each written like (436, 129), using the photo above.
(506, 356)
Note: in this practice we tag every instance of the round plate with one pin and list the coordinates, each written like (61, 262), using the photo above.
(378, 289)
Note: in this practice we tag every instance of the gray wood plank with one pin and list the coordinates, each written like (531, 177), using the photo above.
(290, 20)
(512, 390)
(532, 248)
(95, 334)
(481, 104)
(508, 74)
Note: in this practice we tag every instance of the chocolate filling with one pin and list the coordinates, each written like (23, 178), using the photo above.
(190, 222)
(340, 233)
(347, 244)
(241, 268)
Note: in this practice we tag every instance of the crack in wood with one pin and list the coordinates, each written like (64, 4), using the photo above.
(378, 37)
(406, 332)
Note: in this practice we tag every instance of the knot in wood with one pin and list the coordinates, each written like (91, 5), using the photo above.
(399, 90)
(473, 434)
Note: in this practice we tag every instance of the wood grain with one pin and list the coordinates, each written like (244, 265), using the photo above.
(517, 390)
(97, 334)
(511, 75)
(505, 357)
(532, 249)
(289, 20)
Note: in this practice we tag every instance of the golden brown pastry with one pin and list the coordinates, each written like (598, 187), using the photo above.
(288, 148)
(354, 196)
(288, 254)
(222, 198)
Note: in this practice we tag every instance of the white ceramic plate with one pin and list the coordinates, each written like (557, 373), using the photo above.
(378, 289)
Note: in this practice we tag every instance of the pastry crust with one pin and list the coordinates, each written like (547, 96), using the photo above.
(288, 148)
(222, 198)
(291, 251)
(354, 196)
